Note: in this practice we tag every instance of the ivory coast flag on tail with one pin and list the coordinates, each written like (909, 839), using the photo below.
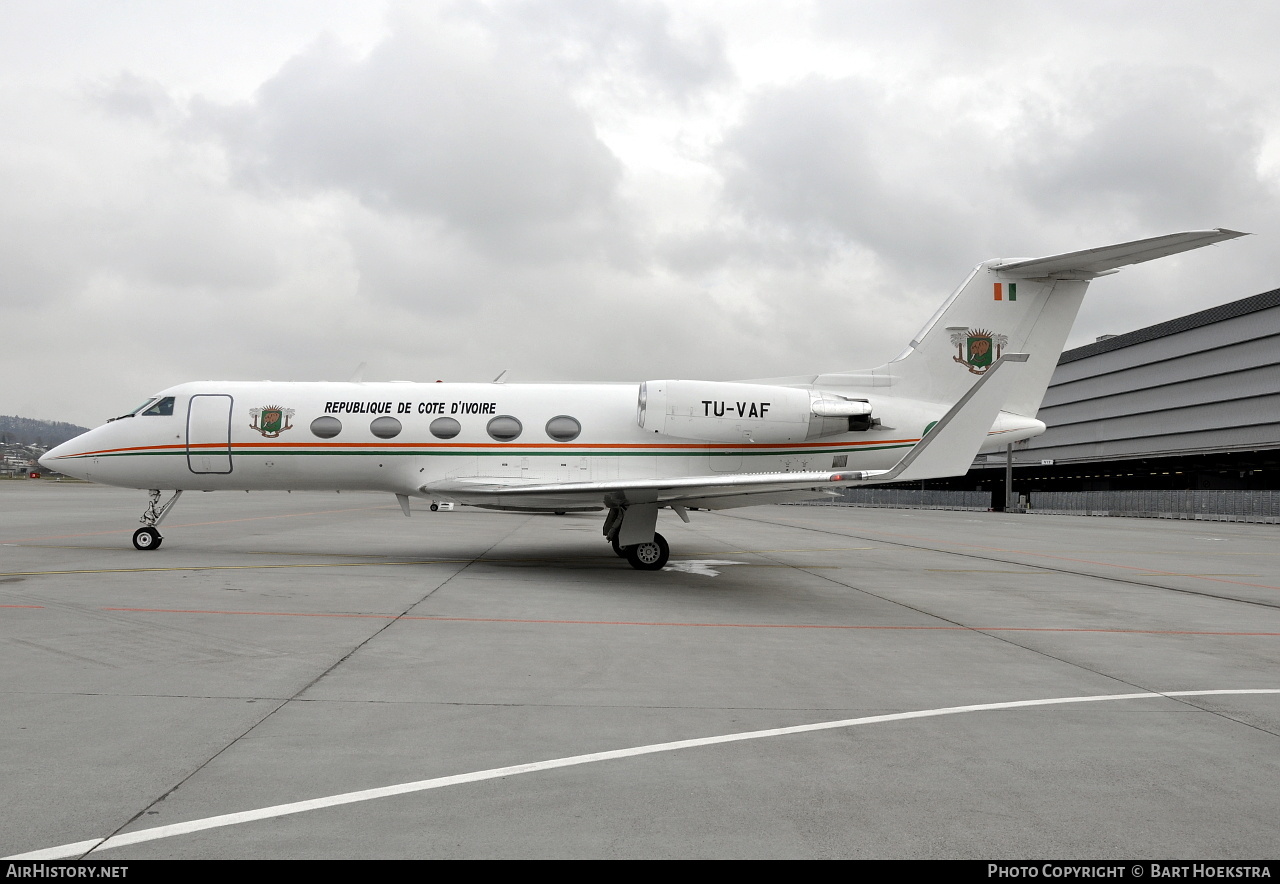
(1011, 287)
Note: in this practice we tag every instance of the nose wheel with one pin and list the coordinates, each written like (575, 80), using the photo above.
(147, 538)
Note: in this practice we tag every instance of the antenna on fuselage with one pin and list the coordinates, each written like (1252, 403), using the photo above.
(358, 375)
(499, 378)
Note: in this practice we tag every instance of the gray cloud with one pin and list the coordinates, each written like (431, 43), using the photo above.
(130, 96)
(841, 163)
(425, 126)
(1128, 151)
(633, 40)
(1158, 145)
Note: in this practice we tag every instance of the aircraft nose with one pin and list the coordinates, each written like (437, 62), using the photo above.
(52, 460)
(48, 459)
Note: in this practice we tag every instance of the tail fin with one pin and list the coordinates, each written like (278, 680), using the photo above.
(1008, 306)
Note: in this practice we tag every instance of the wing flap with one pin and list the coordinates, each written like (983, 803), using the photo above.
(664, 491)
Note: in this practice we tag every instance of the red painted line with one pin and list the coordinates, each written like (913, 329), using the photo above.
(694, 624)
(41, 607)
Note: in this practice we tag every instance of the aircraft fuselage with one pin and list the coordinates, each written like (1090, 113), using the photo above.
(379, 437)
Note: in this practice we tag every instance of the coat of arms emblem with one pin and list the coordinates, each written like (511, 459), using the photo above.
(977, 348)
(271, 420)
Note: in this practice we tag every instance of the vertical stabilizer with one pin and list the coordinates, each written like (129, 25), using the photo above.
(1024, 305)
(993, 313)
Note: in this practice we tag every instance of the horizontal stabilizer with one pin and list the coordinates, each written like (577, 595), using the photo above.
(1095, 262)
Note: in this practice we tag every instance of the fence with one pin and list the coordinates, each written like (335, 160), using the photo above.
(1210, 506)
(910, 498)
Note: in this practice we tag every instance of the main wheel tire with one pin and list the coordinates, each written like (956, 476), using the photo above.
(435, 507)
(146, 538)
(619, 551)
(649, 556)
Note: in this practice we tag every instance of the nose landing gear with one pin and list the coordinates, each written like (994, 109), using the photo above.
(148, 537)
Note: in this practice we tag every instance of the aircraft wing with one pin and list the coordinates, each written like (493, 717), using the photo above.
(712, 492)
(948, 449)
(1096, 262)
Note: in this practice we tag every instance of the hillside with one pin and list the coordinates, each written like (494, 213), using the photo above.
(36, 433)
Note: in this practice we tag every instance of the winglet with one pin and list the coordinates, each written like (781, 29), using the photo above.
(949, 447)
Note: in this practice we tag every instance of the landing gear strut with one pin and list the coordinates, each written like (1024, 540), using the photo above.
(148, 537)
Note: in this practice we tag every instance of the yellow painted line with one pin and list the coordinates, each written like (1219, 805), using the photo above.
(1156, 573)
(52, 546)
(1153, 573)
(130, 549)
(230, 567)
(724, 552)
(259, 552)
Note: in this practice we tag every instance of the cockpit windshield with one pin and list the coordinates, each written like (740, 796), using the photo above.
(160, 407)
(153, 406)
(134, 411)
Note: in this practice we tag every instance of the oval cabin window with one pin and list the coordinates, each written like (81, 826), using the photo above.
(445, 428)
(504, 428)
(385, 427)
(563, 428)
(326, 427)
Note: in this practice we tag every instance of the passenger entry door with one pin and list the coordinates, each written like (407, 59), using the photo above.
(209, 434)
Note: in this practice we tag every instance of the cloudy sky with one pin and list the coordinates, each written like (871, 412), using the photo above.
(596, 189)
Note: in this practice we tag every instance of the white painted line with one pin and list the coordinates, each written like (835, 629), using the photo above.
(63, 852)
(79, 848)
(698, 566)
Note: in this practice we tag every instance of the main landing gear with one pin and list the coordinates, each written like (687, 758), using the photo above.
(148, 536)
(650, 555)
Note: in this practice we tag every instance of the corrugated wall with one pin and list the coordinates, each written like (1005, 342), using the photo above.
(1204, 383)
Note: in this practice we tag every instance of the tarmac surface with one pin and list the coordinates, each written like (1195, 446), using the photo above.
(239, 691)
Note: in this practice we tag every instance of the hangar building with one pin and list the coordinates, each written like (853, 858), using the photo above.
(1192, 403)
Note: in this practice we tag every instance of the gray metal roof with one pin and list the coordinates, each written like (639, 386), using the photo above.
(1174, 326)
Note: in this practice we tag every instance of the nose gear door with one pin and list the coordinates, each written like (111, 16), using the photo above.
(209, 433)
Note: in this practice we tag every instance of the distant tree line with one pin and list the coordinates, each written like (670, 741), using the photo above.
(37, 433)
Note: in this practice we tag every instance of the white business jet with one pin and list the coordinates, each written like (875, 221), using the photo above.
(971, 380)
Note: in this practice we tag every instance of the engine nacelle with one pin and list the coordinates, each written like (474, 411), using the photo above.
(715, 411)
